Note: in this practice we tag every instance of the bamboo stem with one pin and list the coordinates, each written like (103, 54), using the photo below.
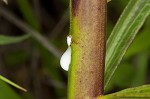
(88, 29)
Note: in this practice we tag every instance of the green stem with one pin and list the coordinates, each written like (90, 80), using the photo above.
(88, 29)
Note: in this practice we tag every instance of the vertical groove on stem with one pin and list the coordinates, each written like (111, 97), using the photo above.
(88, 29)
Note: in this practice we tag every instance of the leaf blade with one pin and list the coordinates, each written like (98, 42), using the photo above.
(6, 92)
(123, 34)
(4, 40)
(141, 92)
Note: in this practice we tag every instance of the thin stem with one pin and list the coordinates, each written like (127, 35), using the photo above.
(88, 29)
(12, 83)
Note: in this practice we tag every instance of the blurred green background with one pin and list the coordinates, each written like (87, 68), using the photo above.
(36, 67)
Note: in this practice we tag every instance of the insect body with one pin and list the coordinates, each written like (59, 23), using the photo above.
(66, 57)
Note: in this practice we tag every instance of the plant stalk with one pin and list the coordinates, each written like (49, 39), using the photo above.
(88, 30)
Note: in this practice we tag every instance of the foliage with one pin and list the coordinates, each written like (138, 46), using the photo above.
(142, 92)
(123, 34)
(4, 40)
(45, 65)
(5, 89)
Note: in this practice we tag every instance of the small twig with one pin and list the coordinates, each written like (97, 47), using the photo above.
(12, 83)
(44, 41)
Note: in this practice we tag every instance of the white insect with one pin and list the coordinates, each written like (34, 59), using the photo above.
(66, 57)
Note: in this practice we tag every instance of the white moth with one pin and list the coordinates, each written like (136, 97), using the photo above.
(66, 57)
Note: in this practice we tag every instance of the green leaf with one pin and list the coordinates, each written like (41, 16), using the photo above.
(4, 40)
(142, 92)
(123, 34)
(142, 37)
(11, 83)
(6, 92)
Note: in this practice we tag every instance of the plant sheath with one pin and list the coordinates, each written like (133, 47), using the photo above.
(88, 29)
